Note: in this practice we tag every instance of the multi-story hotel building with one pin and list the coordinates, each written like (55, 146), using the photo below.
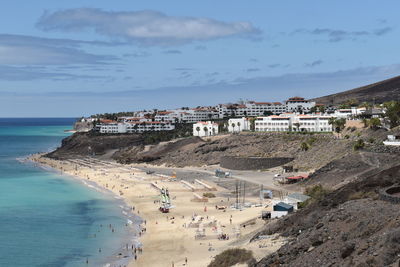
(250, 108)
(186, 116)
(130, 127)
(292, 122)
(299, 104)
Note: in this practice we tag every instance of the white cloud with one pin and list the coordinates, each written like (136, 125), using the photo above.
(144, 27)
(29, 50)
(12, 73)
(335, 35)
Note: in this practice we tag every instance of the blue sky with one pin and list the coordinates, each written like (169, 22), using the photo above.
(76, 58)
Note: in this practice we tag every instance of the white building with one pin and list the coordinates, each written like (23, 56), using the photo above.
(353, 112)
(133, 119)
(273, 123)
(293, 122)
(202, 128)
(111, 127)
(186, 115)
(167, 116)
(238, 125)
(150, 126)
(347, 113)
(392, 140)
(250, 108)
(299, 104)
(140, 127)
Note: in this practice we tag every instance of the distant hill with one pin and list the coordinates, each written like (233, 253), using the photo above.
(379, 92)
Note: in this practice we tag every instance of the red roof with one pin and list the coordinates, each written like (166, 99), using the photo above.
(296, 98)
(206, 123)
(107, 121)
(297, 177)
(148, 122)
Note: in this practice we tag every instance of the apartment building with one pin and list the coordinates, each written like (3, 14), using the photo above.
(293, 122)
(205, 128)
(299, 104)
(354, 112)
(238, 125)
(250, 108)
(133, 127)
(150, 126)
(134, 119)
(186, 115)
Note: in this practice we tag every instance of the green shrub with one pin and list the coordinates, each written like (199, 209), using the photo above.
(371, 140)
(316, 193)
(346, 136)
(304, 204)
(359, 144)
(305, 146)
(208, 194)
(361, 195)
(232, 257)
(311, 140)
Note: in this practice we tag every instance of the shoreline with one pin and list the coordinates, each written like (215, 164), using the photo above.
(133, 221)
(168, 240)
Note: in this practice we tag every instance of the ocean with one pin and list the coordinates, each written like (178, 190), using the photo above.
(47, 219)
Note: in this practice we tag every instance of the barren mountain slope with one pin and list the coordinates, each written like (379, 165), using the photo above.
(377, 92)
(349, 227)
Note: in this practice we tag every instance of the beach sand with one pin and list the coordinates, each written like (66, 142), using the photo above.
(168, 239)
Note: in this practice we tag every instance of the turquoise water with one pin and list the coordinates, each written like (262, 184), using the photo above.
(47, 219)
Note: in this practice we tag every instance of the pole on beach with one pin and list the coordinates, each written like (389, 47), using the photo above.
(244, 191)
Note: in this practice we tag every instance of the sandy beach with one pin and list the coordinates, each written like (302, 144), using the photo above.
(190, 234)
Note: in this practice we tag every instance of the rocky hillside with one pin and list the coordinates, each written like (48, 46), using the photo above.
(350, 226)
(310, 151)
(155, 153)
(84, 144)
(198, 152)
(379, 92)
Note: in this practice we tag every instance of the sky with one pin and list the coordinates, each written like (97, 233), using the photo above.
(77, 58)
